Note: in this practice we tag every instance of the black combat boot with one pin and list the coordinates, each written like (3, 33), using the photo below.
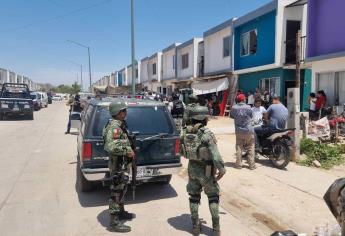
(116, 225)
(216, 227)
(125, 215)
(196, 226)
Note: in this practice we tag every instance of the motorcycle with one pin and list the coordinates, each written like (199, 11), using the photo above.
(276, 147)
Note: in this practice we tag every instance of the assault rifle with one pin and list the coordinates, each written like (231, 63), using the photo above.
(133, 139)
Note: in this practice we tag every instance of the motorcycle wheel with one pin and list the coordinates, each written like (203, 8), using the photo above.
(280, 155)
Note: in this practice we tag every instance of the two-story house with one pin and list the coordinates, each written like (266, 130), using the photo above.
(144, 75)
(154, 69)
(326, 48)
(136, 74)
(187, 55)
(265, 49)
(169, 68)
(122, 77)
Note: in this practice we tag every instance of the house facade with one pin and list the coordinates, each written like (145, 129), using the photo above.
(187, 55)
(136, 74)
(326, 48)
(169, 69)
(144, 76)
(122, 77)
(265, 49)
(154, 69)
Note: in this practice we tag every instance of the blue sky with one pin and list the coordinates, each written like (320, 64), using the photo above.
(33, 33)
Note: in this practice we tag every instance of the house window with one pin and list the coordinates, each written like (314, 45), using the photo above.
(154, 69)
(174, 62)
(185, 61)
(226, 46)
(333, 84)
(159, 89)
(136, 73)
(272, 85)
(249, 43)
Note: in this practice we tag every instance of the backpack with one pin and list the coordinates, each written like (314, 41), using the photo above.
(195, 148)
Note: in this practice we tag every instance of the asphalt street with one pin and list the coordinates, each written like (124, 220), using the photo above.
(38, 194)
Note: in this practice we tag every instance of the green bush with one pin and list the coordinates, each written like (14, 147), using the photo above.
(327, 155)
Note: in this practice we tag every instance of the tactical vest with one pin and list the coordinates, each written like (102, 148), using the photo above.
(194, 148)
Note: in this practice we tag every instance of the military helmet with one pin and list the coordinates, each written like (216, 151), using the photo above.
(116, 107)
(193, 98)
(198, 113)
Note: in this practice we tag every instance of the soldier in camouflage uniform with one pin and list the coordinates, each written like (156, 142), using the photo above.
(205, 167)
(193, 102)
(118, 146)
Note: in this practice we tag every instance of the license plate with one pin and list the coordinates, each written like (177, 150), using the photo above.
(15, 108)
(144, 172)
(26, 106)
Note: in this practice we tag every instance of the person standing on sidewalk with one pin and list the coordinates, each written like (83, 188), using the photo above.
(245, 141)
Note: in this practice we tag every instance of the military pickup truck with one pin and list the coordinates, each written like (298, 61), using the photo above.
(157, 142)
(15, 100)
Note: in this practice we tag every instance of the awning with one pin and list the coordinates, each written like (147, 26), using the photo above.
(210, 87)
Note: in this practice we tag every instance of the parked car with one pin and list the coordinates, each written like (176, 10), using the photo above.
(15, 100)
(44, 99)
(36, 101)
(157, 142)
(57, 98)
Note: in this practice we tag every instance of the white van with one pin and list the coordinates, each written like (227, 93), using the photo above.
(44, 99)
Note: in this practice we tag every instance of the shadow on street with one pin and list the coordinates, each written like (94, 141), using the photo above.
(184, 223)
(144, 193)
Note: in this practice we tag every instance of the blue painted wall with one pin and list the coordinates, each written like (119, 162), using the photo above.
(265, 54)
(119, 79)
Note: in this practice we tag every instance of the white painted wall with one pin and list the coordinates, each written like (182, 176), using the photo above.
(292, 13)
(214, 60)
(158, 60)
(143, 71)
(167, 64)
(192, 50)
(325, 66)
(129, 72)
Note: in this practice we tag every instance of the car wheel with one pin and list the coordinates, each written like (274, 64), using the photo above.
(165, 180)
(1, 116)
(46, 106)
(31, 116)
(82, 183)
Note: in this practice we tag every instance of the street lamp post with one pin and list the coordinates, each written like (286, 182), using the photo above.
(81, 73)
(133, 47)
(88, 51)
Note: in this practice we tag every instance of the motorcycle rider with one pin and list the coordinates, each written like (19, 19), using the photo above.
(258, 113)
(275, 119)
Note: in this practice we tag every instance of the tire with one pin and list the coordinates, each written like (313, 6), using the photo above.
(280, 154)
(83, 184)
(165, 180)
(31, 116)
(2, 116)
(46, 106)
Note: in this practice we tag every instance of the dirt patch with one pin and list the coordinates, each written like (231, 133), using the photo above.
(239, 205)
(269, 222)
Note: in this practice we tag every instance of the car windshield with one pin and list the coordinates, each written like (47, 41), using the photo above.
(33, 96)
(145, 120)
(15, 94)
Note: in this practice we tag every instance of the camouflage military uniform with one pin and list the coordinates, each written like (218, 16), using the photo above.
(200, 147)
(186, 115)
(118, 146)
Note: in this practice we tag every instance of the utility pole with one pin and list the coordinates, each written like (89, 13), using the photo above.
(88, 51)
(133, 48)
(294, 102)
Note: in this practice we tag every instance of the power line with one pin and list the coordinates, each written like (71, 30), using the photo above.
(48, 20)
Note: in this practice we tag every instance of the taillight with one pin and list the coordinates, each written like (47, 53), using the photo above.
(177, 147)
(87, 151)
